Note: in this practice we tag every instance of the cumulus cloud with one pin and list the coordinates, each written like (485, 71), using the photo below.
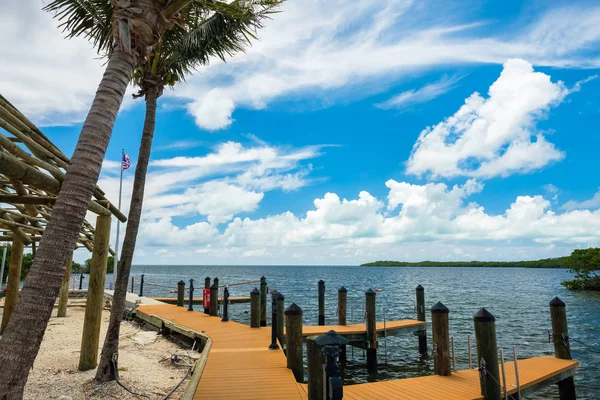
(496, 135)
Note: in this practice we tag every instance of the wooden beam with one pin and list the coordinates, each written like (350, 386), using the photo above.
(14, 278)
(14, 168)
(47, 200)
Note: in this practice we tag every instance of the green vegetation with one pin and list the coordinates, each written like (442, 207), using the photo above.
(560, 262)
(584, 263)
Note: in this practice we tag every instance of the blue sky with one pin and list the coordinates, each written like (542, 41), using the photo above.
(355, 132)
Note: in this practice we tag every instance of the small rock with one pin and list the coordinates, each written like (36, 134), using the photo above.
(65, 398)
(145, 338)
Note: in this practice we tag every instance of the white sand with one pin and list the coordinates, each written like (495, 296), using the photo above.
(144, 367)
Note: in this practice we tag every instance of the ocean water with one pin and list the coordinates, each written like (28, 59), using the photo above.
(517, 297)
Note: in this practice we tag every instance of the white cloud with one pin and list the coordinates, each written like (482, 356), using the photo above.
(421, 95)
(220, 201)
(591, 204)
(496, 135)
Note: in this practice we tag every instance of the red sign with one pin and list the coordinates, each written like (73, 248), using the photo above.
(206, 297)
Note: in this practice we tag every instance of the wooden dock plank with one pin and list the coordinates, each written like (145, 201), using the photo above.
(357, 330)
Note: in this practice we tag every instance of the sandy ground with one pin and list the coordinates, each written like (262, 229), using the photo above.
(144, 363)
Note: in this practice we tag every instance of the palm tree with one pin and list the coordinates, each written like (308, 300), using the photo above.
(136, 26)
(219, 35)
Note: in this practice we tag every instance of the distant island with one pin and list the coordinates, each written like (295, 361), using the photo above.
(559, 262)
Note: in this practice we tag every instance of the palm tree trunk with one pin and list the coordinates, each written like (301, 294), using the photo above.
(21, 341)
(111, 342)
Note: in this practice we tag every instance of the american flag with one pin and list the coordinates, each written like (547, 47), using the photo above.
(126, 162)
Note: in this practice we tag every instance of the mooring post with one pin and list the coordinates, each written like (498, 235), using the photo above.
(293, 341)
(81, 281)
(330, 344)
(562, 348)
(132, 281)
(342, 305)
(371, 331)
(63, 299)
(421, 317)
(487, 354)
(255, 308)
(14, 279)
(180, 293)
(321, 302)
(441, 339)
(214, 299)
(142, 286)
(274, 324)
(90, 340)
(225, 305)
(315, 363)
(191, 302)
(263, 301)
(280, 316)
(206, 286)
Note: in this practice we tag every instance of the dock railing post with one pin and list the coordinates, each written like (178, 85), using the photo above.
(81, 281)
(225, 305)
(255, 308)
(214, 298)
(371, 331)
(206, 286)
(487, 351)
(517, 372)
(440, 332)
(274, 324)
(562, 348)
(280, 317)
(293, 341)
(191, 302)
(180, 293)
(263, 301)
(330, 344)
(132, 284)
(142, 286)
(342, 305)
(321, 302)
(420, 291)
(315, 363)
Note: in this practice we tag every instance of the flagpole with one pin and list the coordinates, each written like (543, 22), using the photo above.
(116, 257)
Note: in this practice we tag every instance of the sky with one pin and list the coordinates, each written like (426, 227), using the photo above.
(350, 132)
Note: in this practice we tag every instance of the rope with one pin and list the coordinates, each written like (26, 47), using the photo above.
(240, 283)
(176, 359)
(590, 347)
(158, 285)
(483, 372)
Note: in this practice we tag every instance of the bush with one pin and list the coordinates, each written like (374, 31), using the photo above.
(584, 263)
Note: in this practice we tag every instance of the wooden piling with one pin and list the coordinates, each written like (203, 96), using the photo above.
(206, 286)
(487, 349)
(132, 283)
(315, 360)
(14, 278)
(321, 302)
(142, 285)
(88, 358)
(293, 341)
(255, 308)
(263, 301)
(214, 299)
(180, 293)
(420, 291)
(441, 339)
(371, 331)
(280, 317)
(562, 348)
(63, 298)
(342, 305)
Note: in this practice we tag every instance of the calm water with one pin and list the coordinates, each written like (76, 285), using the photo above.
(517, 297)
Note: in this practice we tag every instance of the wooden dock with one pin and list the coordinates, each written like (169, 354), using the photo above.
(240, 366)
(356, 332)
(198, 300)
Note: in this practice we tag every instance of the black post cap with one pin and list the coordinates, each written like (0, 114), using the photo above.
(263, 279)
(214, 286)
(321, 282)
(181, 282)
(439, 308)
(484, 315)
(207, 278)
(342, 290)
(331, 338)
(556, 302)
(255, 292)
(280, 296)
(216, 280)
(293, 309)
(420, 288)
(370, 292)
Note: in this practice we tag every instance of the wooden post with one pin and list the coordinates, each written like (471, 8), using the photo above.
(88, 358)
(263, 301)
(321, 302)
(14, 278)
(421, 317)
(225, 305)
(441, 339)
(132, 283)
(180, 293)
(487, 349)
(342, 307)
(255, 308)
(371, 331)
(280, 317)
(315, 361)
(64, 291)
(142, 286)
(293, 341)
(562, 348)
(80, 281)
(214, 299)
(206, 286)
(191, 297)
